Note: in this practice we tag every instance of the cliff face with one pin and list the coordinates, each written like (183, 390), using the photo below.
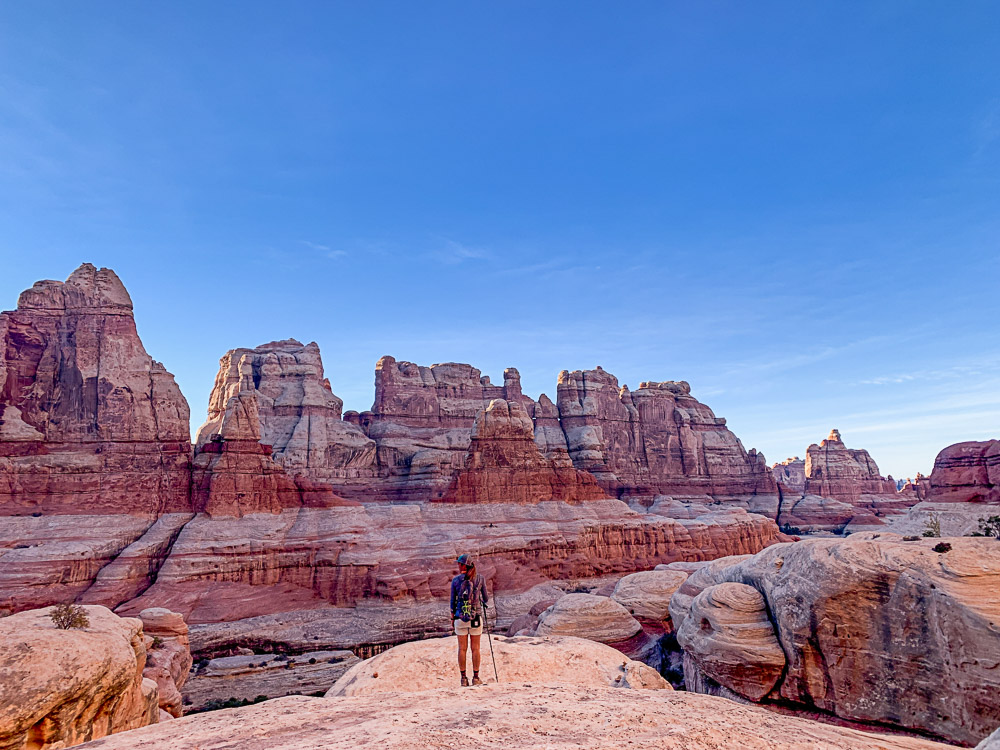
(845, 474)
(504, 464)
(299, 415)
(656, 440)
(89, 422)
(965, 473)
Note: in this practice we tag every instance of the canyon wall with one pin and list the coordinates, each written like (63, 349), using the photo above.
(89, 422)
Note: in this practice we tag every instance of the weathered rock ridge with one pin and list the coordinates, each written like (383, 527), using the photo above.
(870, 628)
(845, 474)
(965, 473)
(89, 422)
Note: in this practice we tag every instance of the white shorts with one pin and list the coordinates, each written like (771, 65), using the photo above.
(465, 628)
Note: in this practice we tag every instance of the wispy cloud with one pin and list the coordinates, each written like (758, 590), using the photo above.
(316, 246)
(452, 253)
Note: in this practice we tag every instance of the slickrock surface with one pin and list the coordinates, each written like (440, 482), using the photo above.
(990, 743)
(89, 423)
(876, 629)
(168, 655)
(845, 474)
(816, 513)
(646, 595)
(300, 417)
(966, 473)
(598, 618)
(730, 639)
(658, 439)
(431, 664)
(63, 687)
(507, 717)
(504, 464)
(247, 677)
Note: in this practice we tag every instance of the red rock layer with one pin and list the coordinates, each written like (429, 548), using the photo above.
(88, 421)
(300, 417)
(964, 473)
(422, 422)
(845, 474)
(656, 440)
(504, 464)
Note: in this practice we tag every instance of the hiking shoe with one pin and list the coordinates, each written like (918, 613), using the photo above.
(476, 680)
(465, 681)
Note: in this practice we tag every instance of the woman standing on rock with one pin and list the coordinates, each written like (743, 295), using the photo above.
(468, 600)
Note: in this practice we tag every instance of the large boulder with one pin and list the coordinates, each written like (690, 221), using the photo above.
(874, 629)
(62, 687)
(598, 618)
(431, 664)
(646, 595)
(730, 639)
(512, 716)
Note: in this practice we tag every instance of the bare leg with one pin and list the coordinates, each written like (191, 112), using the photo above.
(475, 653)
(463, 644)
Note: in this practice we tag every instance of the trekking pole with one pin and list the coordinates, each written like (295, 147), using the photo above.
(493, 658)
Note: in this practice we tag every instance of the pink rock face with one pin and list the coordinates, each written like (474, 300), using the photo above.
(422, 422)
(874, 628)
(656, 440)
(965, 473)
(88, 421)
(504, 464)
(790, 475)
(299, 416)
(234, 473)
(168, 656)
(834, 470)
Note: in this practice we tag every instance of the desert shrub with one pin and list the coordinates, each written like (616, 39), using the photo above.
(157, 642)
(942, 547)
(933, 526)
(787, 528)
(910, 538)
(67, 616)
(312, 660)
(989, 527)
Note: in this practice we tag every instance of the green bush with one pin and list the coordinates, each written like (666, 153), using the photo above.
(933, 526)
(989, 527)
(67, 616)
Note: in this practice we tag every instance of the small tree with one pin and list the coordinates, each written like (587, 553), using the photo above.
(67, 616)
(989, 527)
(933, 526)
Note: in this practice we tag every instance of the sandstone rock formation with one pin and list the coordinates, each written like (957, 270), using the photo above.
(272, 675)
(597, 618)
(62, 687)
(966, 473)
(504, 464)
(516, 717)
(874, 629)
(168, 656)
(728, 637)
(299, 416)
(646, 595)
(845, 474)
(89, 423)
(234, 473)
(656, 440)
(430, 664)
(790, 475)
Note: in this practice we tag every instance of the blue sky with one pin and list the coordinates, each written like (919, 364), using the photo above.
(793, 206)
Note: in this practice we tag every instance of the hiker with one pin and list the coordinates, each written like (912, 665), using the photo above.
(468, 601)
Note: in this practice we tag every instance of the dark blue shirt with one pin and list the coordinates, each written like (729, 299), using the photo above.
(467, 596)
